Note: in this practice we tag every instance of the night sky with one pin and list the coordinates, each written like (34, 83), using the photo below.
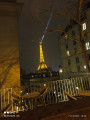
(31, 26)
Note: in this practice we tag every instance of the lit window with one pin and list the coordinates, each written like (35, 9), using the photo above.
(4, 112)
(60, 70)
(17, 108)
(66, 36)
(59, 95)
(87, 46)
(77, 88)
(7, 112)
(84, 26)
(84, 66)
(68, 53)
(32, 76)
(44, 85)
(50, 74)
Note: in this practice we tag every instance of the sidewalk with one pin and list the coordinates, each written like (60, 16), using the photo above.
(69, 110)
(61, 111)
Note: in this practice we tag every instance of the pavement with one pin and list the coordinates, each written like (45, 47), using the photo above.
(69, 110)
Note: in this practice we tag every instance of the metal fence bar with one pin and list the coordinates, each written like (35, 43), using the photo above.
(4, 98)
(8, 96)
(55, 93)
(1, 99)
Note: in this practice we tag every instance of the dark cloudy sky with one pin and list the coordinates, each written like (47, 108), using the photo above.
(35, 13)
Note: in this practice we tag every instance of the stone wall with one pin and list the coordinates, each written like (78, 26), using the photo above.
(9, 48)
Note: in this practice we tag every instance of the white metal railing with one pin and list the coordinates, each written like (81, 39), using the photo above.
(5, 97)
(55, 93)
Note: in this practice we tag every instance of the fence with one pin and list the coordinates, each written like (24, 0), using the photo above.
(5, 97)
(55, 93)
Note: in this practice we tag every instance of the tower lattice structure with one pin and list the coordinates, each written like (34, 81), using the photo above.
(42, 66)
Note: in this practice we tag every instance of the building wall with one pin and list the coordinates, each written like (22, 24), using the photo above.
(9, 48)
(75, 50)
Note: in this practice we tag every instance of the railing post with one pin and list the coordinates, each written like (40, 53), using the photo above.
(4, 99)
(11, 100)
(8, 96)
(1, 99)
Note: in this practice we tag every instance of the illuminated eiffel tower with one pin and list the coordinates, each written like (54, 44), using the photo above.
(42, 66)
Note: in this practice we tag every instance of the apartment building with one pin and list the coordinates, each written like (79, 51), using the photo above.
(71, 50)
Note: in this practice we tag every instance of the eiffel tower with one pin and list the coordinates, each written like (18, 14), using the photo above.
(42, 66)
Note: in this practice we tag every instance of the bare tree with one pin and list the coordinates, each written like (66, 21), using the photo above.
(81, 35)
(77, 18)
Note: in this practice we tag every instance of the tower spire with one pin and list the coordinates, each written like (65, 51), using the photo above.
(42, 66)
(41, 54)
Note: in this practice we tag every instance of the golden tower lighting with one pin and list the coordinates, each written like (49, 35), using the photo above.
(42, 64)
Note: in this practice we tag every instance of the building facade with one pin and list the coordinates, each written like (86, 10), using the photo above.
(72, 55)
(9, 48)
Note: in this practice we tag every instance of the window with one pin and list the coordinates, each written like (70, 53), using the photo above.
(84, 26)
(73, 33)
(74, 42)
(44, 85)
(69, 69)
(87, 46)
(77, 59)
(66, 46)
(69, 62)
(65, 36)
(78, 68)
(68, 53)
(60, 70)
(77, 51)
(84, 66)
(88, 56)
